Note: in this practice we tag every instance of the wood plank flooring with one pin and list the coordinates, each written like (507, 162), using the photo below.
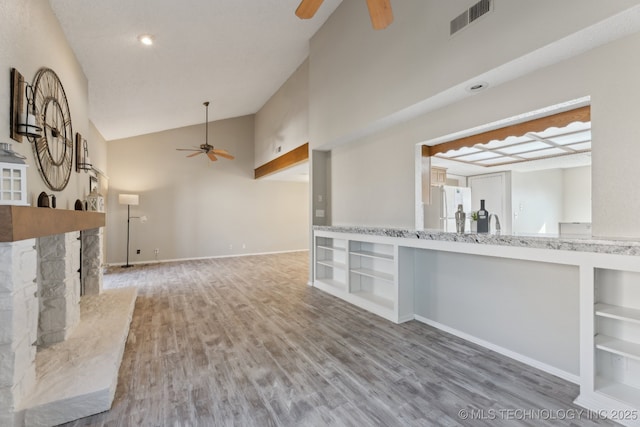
(245, 342)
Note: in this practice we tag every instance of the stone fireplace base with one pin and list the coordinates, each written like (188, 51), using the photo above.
(78, 377)
(59, 353)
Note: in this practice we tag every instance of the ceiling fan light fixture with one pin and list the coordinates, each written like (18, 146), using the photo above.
(207, 148)
(146, 39)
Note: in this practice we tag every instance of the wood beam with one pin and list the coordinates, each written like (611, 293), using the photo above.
(582, 114)
(292, 158)
(27, 222)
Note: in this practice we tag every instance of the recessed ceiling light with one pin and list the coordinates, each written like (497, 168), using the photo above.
(146, 39)
(477, 87)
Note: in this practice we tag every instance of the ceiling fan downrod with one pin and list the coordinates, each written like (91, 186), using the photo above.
(206, 123)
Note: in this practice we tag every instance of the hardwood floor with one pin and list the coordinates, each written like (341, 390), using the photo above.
(245, 342)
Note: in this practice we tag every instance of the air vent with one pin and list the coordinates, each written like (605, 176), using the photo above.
(470, 15)
(460, 22)
(479, 9)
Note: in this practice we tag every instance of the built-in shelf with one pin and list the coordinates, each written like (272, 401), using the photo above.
(331, 248)
(363, 271)
(373, 273)
(616, 324)
(331, 263)
(619, 347)
(618, 313)
(376, 299)
(333, 283)
(370, 254)
(621, 392)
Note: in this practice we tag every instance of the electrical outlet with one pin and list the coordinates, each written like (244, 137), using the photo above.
(156, 251)
(230, 246)
(244, 246)
(138, 251)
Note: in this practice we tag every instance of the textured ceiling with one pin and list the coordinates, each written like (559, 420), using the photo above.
(234, 53)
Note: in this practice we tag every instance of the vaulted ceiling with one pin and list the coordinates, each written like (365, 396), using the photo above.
(234, 53)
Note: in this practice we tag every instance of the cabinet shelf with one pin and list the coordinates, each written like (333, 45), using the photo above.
(619, 391)
(374, 298)
(373, 273)
(331, 248)
(333, 283)
(617, 312)
(617, 346)
(370, 254)
(331, 263)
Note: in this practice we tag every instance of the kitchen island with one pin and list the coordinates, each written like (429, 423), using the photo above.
(570, 307)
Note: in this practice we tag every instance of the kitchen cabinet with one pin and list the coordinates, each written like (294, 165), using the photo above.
(438, 176)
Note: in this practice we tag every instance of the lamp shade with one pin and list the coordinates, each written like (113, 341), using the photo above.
(128, 199)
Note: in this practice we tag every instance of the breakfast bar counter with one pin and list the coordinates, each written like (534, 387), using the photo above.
(568, 306)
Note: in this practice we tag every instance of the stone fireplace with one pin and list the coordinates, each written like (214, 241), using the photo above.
(40, 309)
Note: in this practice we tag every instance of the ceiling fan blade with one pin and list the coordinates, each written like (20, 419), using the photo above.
(223, 153)
(381, 13)
(212, 156)
(187, 149)
(195, 154)
(307, 8)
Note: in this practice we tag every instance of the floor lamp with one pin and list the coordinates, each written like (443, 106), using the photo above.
(128, 199)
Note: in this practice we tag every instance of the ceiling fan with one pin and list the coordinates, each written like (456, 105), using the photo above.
(207, 148)
(379, 11)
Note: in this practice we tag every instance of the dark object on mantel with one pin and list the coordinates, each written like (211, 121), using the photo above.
(79, 206)
(43, 200)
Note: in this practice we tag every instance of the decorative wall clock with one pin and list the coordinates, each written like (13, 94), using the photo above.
(54, 150)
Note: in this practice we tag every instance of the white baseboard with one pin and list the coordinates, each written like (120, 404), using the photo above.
(505, 352)
(160, 261)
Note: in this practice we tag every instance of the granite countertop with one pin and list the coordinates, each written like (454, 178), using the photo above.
(542, 241)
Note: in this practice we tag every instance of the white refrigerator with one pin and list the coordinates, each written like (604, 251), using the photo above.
(440, 213)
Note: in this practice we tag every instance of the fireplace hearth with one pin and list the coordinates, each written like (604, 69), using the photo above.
(41, 308)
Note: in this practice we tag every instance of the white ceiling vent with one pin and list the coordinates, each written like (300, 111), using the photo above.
(470, 15)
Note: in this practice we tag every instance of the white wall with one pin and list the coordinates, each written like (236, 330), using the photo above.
(283, 120)
(372, 184)
(576, 194)
(537, 201)
(538, 301)
(31, 38)
(373, 181)
(198, 208)
(359, 76)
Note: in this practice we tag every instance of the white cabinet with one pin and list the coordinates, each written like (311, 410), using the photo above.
(617, 335)
(362, 270)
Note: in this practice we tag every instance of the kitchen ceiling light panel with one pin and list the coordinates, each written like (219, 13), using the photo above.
(479, 156)
(523, 148)
(580, 146)
(572, 138)
(543, 153)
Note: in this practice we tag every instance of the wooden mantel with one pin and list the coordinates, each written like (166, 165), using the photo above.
(27, 222)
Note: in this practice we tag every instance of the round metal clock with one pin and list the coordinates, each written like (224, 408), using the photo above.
(54, 149)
